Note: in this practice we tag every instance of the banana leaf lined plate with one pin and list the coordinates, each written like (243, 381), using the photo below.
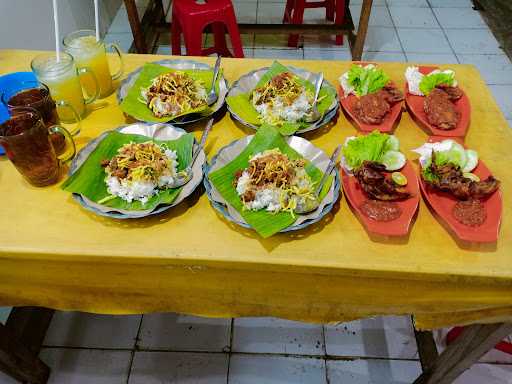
(130, 80)
(305, 148)
(249, 81)
(164, 132)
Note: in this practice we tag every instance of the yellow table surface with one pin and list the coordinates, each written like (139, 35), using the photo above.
(54, 253)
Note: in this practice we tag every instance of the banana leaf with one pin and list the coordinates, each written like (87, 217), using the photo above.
(89, 179)
(134, 105)
(265, 223)
(242, 105)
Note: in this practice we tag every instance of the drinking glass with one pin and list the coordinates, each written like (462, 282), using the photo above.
(62, 77)
(37, 95)
(90, 53)
(26, 141)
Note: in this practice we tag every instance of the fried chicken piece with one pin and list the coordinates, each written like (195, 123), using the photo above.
(450, 179)
(372, 108)
(372, 179)
(440, 110)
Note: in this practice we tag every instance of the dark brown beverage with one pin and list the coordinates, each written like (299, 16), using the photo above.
(39, 99)
(26, 141)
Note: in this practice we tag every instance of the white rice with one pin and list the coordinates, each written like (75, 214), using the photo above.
(279, 111)
(142, 190)
(414, 77)
(269, 198)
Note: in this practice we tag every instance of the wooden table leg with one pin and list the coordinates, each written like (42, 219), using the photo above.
(471, 345)
(135, 25)
(20, 342)
(427, 349)
(360, 38)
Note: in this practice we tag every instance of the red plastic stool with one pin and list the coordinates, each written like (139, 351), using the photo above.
(191, 18)
(294, 14)
(503, 346)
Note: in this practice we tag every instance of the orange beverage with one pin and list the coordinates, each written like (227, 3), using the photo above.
(90, 53)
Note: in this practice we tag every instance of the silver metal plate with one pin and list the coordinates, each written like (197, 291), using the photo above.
(127, 83)
(302, 146)
(248, 82)
(163, 132)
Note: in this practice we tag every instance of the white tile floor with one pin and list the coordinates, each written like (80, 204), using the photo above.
(168, 348)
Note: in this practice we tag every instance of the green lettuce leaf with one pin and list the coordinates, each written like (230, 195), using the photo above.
(429, 82)
(366, 80)
(370, 147)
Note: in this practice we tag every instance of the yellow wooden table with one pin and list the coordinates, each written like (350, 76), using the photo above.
(55, 254)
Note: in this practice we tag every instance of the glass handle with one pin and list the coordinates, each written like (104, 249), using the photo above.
(119, 54)
(78, 119)
(90, 99)
(70, 153)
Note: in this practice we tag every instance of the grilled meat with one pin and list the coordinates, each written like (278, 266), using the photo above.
(449, 178)
(371, 177)
(454, 93)
(392, 94)
(440, 109)
(372, 108)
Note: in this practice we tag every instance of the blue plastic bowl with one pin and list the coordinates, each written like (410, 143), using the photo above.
(12, 82)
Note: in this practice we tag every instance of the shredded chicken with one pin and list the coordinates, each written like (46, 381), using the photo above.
(174, 93)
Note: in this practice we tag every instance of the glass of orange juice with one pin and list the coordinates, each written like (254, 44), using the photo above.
(91, 53)
(62, 77)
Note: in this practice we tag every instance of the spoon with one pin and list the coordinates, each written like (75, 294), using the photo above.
(186, 175)
(212, 96)
(312, 204)
(315, 115)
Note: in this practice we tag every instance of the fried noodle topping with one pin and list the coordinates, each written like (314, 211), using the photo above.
(173, 94)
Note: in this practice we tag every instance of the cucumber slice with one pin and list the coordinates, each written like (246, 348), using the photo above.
(392, 144)
(393, 160)
(471, 160)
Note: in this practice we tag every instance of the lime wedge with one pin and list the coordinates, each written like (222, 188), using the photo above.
(471, 176)
(393, 160)
(399, 178)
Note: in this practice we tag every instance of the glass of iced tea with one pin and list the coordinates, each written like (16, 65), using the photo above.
(62, 78)
(37, 95)
(91, 53)
(26, 141)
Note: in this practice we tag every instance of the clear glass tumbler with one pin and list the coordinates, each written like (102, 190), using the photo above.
(62, 77)
(90, 53)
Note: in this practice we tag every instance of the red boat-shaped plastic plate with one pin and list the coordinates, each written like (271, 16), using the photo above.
(398, 227)
(415, 106)
(442, 203)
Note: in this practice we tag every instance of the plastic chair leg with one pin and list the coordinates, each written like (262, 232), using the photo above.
(219, 35)
(193, 42)
(288, 10)
(297, 18)
(236, 41)
(175, 37)
(329, 9)
(339, 18)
